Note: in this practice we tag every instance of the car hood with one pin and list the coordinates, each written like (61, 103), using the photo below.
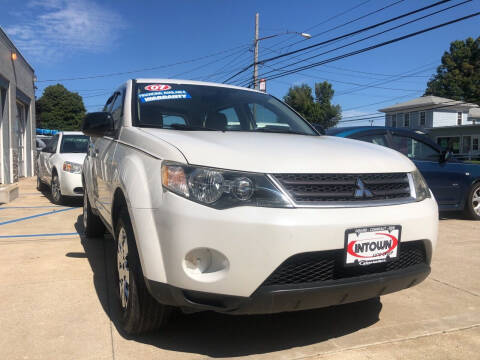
(73, 157)
(280, 153)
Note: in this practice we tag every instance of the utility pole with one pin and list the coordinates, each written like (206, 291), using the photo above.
(255, 54)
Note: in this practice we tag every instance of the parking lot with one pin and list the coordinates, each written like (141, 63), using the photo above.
(57, 303)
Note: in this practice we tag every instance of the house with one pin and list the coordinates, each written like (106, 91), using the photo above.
(452, 124)
(17, 118)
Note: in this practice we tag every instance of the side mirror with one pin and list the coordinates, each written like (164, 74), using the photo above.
(97, 124)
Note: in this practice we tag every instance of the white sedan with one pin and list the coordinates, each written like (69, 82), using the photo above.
(60, 165)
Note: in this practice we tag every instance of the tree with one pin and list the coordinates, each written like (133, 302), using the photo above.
(317, 110)
(458, 77)
(60, 109)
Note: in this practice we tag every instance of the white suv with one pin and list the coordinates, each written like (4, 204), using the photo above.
(224, 198)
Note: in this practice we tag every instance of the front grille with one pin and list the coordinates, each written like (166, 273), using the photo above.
(321, 188)
(320, 266)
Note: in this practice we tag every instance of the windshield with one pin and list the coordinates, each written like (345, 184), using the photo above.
(214, 108)
(74, 144)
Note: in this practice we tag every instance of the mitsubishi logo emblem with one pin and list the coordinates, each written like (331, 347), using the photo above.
(361, 191)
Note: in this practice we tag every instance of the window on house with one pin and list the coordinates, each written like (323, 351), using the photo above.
(475, 144)
(450, 143)
(467, 141)
(400, 119)
(459, 118)
(406, 120)
(423, 121)
(394, 120)
(3, 98)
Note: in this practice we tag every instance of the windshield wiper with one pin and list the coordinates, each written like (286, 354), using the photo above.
(192, 128)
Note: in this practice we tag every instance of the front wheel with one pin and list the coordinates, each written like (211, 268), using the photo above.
(55, 190)
(140, 311)
(472, 207)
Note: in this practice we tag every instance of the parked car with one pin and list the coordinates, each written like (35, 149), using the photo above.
(223, 198)
(59, 165)
(455, 184)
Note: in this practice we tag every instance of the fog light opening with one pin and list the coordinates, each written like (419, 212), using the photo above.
(204, 264)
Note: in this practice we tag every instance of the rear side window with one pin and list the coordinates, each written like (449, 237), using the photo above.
(415, 149)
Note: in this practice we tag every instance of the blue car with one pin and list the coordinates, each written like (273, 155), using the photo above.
(455, 184)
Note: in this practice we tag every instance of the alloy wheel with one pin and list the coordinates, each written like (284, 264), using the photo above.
(476, 200)
(122, 267)
(55, 188)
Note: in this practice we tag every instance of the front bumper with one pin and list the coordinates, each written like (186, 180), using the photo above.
(71, 184)
(257, 240)
(274, 299)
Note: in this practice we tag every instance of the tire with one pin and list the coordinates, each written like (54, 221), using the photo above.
(140, 312)
(472, 206)
(40, 185)
(57, 197)
(92, 224)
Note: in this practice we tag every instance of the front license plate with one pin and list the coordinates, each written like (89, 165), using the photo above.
(372, 245)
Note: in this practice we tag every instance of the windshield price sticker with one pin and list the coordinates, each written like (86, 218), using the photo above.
(372, 245)
(157, 87)
(164, 95)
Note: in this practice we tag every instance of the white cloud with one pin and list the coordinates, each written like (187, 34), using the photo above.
(51, 29)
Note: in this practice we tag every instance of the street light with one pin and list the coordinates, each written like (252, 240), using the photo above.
(255, 47)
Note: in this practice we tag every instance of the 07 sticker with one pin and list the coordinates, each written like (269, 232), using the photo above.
(157, 87)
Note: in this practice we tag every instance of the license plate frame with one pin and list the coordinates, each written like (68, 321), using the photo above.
(372, 245)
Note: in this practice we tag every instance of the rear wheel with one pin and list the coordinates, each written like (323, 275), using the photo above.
(92, 224)
(55, 190)
(140, 311)
(472, 207)
(40, 185)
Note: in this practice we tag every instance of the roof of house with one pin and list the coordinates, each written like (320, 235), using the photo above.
(474, 112)
(423, 102)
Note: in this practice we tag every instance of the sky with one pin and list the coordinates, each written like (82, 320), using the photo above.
(107, 42)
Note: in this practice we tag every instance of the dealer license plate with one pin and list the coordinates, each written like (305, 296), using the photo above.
(372, 245)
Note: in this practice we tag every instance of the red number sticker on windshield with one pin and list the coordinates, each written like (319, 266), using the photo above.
(157, 87)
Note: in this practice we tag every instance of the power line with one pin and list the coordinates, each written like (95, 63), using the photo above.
(336, 16)
(369, 73)
(145, 69)
(347, 23)
(340, 37)
(369, 37)
(416, 33)
(357, 84)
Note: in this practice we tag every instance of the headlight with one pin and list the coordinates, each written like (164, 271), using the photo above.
(418, 184)
(221, 189)
(72, 167)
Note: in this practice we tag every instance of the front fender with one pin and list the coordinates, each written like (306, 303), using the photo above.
(138, 175)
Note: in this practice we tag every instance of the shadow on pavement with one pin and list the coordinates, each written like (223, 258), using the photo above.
(68, 200)
(453, 215)
(218, 335)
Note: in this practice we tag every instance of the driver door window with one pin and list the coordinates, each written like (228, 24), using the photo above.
(415, 149)
(377, 139)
